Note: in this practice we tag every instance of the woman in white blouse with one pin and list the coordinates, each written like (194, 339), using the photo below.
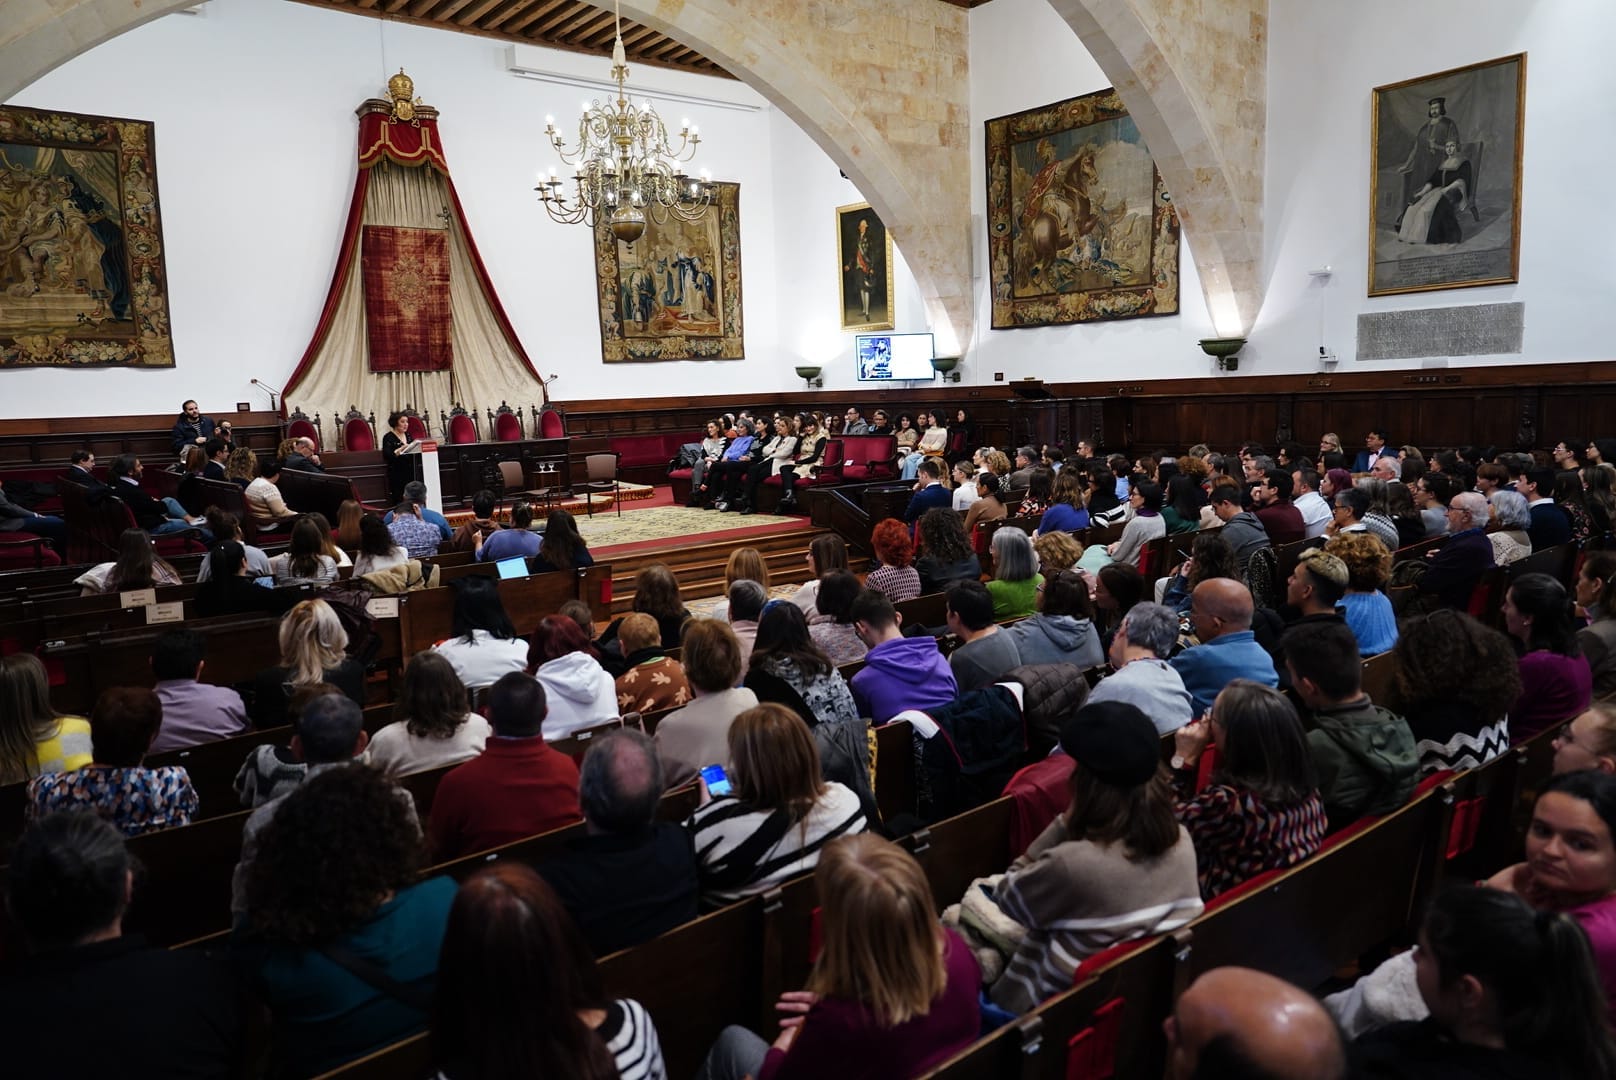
(305, 561)
(484, 646)
(435, 726)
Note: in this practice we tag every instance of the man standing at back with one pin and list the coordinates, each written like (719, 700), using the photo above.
(517, 787)
(1221, 612)
(899, 672)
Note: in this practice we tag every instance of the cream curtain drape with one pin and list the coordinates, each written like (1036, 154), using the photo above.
(486, 369)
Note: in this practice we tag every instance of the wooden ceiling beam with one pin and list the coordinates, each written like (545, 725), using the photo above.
(588, 21)
(548, 26)
(473, 15)
(533, 15)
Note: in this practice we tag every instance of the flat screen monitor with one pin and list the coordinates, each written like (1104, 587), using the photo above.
(893, 357)
(512, 568)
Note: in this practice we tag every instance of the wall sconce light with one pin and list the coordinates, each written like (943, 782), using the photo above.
(811, 376)
(1223, 350)
(944, 366)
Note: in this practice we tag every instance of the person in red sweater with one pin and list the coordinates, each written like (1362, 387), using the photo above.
(1271, 499)
(892, 994)
(515, 788)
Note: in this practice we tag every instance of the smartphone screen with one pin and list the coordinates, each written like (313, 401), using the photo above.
(716, 779)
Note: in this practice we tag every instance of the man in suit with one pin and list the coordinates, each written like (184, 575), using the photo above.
(1374, 447)
(1550, 527)
(218, 452)
(1026, 462)
(304, 456)
(81, 471)
(929, 491)
(157, 516)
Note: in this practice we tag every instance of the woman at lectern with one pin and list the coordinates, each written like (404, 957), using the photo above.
(396, 449)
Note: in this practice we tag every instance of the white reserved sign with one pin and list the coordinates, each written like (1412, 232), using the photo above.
(165, 613)
(137, 598)
(382, 607)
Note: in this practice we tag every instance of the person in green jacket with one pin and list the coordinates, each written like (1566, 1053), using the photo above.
(1365, 754)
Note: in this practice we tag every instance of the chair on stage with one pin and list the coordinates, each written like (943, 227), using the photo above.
(600, 472)
(358, 431)
(414, 427)
(299, 426)
(550, 423)
(459, 426)
(505, 424)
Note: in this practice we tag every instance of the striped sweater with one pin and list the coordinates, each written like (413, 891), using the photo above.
(742, 852)
(1077, 898)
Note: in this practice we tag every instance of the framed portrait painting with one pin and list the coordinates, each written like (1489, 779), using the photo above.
(1445, 179)
(675, 293)
(864, 252)
(1080, 226)
(82, 277)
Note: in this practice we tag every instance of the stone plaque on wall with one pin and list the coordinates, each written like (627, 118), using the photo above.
(1473, 330)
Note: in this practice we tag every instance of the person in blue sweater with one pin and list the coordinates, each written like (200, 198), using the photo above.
(899, 673)
(929, 491)
(1366, 607)
(1221, 612)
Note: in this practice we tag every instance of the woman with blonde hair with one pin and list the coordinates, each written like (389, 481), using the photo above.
(892, 993)
(1057, 551)
(35, 738)
(780, 815)
(1368, 610)
(744, 564)
(1588, 741)
(314, 649)
(241, 466)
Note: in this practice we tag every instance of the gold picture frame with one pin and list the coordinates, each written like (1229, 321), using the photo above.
(1445, 179)
(862, 235)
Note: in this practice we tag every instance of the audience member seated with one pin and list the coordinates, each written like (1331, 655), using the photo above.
(737, 456)
(630, 877)
(1456, 567)
(1599, 499)
(1550, 527)
(1210, 557)
(483, 644)
(986, 653)
(1144, 524)
(946, 553)
(1596, 595)
(827, 554)
(1040, 492)
(746, 563)
(780, 815)
(415, 491)
(1062, 631)
(1588, 742)
(417, 536)
(516, 542)
(314, 649)
(1366, 608)
(345, 934)
(1016, 580)
(114, 784)
(1405, 518)
(1242, 530)
(896, 578)
(1456, 682)
(1221, 614)
(1509, 517)
(891, 994)
(1066, 512)
(579, 692)
(1261, 810)
(1364, 753)
(377, 549)
(14, 518)
(746, 602)
(790, 668)
(1117, 588)
(1315, 588)
(1116, 866)
(305, 457)
(230, 590)
(562, 547)
(1142, 677)
(930, 493)
(482, 525)
(989, 504)
(432, 725)
(241, 467)
(1309, 502)
(1377, 517)
(157, 1012)
(159, 517)
(305, 561)
(1020, 477)
(1057, 551)
(1236, 1022)
(34, 737)
(226, 526)
(193, 712)
(1281, 519)
(516, 787)
(691, 738)
(1351, 506)
(832, 627)
(271, 771)
(1556, 682)
(330, 734)
(654, 681)
(265, 506)
(137, 567)
(899, 672)
(656, 593)
(511, 949)
(1508, 991)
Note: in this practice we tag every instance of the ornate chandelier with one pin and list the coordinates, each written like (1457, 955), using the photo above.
(624, 166)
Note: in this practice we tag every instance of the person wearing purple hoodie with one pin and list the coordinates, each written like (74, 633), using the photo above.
(899, 673)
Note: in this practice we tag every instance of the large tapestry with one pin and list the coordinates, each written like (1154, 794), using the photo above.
(1079, 225)
(82, 281)
(675, 293)
(407, 318)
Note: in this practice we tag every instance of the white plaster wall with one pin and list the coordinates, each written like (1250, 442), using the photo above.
(253, 104)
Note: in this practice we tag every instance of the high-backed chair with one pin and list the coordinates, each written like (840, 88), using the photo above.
(600, 471)
(414, 426)
(505, 424)
(550, 423)
(301, 427)
(358, 431)
(459, 426)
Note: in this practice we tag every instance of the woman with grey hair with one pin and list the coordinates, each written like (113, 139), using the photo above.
(1378, 519)
(1016, 579)
(1139, 651)
(1510, 518)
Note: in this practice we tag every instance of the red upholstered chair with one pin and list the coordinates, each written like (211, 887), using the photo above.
(414, 426)
(505, 424)
(301, 427)
(358, 432)
(552, 425)
(459, 427)
(25, 551)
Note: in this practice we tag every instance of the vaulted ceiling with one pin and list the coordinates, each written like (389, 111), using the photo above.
(559, 24)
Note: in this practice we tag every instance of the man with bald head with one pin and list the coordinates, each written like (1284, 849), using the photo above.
(629, 877)
(1234, 1021)
(1221, 611)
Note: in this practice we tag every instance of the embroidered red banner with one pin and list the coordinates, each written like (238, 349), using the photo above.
(406, 275)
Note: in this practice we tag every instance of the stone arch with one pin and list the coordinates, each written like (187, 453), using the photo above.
(1197, 89)
(882, 88)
